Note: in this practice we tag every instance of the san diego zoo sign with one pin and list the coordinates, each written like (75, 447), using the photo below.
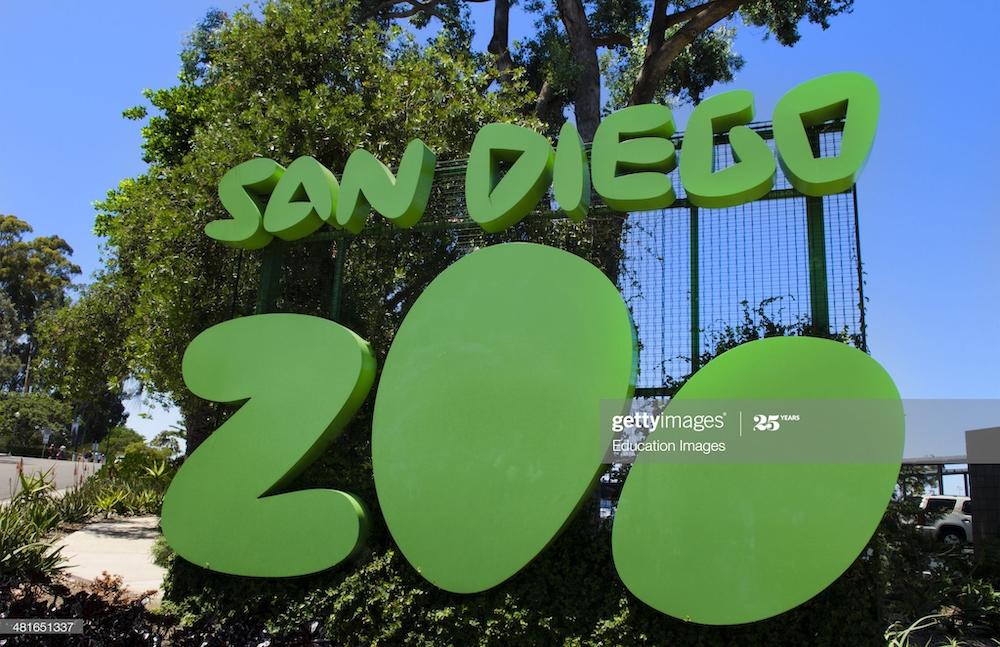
(484, 436)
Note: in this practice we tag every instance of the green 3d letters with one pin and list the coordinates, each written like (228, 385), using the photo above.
(305, 196)
(631, 156)
(242, 191)
(485, 434)
(483, 440)
(571, 174)
(225, 509)
(368, 183)
(497, 200)
(750, 178)
(510, 167)
(847, 95)
(733, 543)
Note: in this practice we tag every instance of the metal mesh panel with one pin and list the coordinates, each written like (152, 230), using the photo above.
(784, 260)
(753, 268)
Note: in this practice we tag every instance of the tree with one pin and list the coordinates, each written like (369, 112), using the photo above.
(10, 333)
(80, 358)
(34, 275)
(25, 416)
(669, 51)
(118, 439)
(666, 49)
(304, 77)
(170, 439)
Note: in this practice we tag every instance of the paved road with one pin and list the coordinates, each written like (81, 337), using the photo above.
(66, 473)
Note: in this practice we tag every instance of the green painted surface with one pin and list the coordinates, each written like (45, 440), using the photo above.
(847, 95)
(305, 196)
(752, 174)
(486, 435)
(694, 275)
(571, 174)
(630, 157)
(819, 289)
(497, 199)
(735, 543)
(243, 191)
(304, 378)
(369, 184)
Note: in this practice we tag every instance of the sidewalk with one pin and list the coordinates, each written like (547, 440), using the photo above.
(118, 546)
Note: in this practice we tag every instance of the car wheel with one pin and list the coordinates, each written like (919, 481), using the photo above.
(952, 537)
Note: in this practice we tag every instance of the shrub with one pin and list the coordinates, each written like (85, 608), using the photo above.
(76, 506)
(163, 554)
(112, 616)
(33, 487)
(570, 595)
(135, 485)
(144, 501)
(138, 458)
(24, 553)
(110, 500)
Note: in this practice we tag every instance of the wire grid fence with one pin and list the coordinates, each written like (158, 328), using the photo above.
(691, 275)
(687, 274)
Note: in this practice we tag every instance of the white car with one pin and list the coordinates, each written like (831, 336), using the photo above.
(946, 518)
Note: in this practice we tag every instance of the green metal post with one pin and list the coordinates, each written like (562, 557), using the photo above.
(270, 276)
(819, 295)
(336, 293)
(818, 289)
(695, 305)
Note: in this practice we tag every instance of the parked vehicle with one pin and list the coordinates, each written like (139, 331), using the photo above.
(946, 518)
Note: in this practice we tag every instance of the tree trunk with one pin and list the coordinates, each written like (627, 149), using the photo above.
(660, 53)
(499, 46)
(588, 90)
(548, 108)
(26, 387)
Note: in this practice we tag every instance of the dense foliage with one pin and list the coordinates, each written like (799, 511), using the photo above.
(34, 277)
(118, 439)
(24, 416)
(301, 79)
(639, 51)
(35, 282)
(571, 595)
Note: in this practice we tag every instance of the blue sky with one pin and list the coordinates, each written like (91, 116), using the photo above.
(928, 197)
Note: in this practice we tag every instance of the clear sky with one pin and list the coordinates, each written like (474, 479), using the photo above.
(928, 198)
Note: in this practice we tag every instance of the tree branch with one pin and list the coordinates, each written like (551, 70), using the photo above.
(499, 42)
(543, 104)
(657, 26)
(416, 6)
(612, 40)
(658, 61)
(680, 16)
(587, 100)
